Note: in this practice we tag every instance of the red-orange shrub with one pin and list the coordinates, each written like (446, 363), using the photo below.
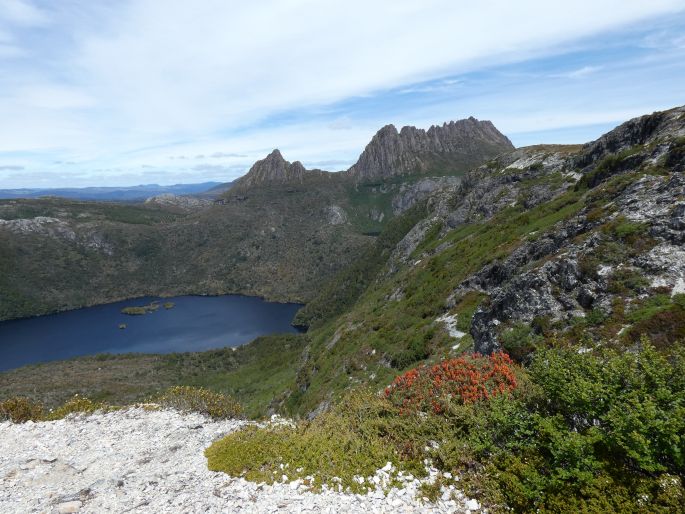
(467, 379)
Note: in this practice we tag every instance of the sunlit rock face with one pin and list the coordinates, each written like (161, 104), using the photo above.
(453, 147)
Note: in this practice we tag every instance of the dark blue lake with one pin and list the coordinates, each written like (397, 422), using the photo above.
(195, 323)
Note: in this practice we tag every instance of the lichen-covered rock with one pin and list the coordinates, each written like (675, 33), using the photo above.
(336, 215)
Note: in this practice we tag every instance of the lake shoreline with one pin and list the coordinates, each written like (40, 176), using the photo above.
(195, 323)
(162, 296)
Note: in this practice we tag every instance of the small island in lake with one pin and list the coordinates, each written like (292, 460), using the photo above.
(140, 310)
(144, 309)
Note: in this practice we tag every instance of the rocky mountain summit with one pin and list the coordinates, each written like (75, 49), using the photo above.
(453, 147)
(274, 169)
(450, 148)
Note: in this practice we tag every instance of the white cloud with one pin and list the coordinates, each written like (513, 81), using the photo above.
(131, 80)
(223, 155)
(220, 62)
(22, 13)
(579, 73)
(9, 51)
(50, 96)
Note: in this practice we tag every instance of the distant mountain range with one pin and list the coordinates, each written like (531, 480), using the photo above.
(117, 194)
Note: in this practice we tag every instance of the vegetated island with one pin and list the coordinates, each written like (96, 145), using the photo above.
(144, 309)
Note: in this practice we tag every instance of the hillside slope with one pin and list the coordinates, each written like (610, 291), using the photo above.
(565, 242)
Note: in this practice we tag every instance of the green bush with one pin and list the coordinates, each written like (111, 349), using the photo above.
(627, 231)
(626, 280)
(76, 405)
(605, 168)
(20, 410)
(198, 399)
(519, 341)
(355, 438)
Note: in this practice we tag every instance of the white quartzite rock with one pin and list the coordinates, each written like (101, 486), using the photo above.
(152, 462)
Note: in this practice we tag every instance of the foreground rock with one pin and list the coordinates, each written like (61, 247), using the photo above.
(152, 461)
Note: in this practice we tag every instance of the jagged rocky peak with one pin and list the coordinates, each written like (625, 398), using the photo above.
(454, 147)
(273, 169)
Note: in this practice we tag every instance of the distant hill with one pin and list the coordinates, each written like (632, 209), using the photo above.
(113, 194)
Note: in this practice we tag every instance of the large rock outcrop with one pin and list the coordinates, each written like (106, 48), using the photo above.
(453, 147)
(274, 169)
(643, 130)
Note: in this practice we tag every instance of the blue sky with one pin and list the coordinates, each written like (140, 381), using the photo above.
(168, 91)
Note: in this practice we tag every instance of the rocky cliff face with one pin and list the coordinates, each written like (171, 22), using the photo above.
(274, 169)
(453, 147)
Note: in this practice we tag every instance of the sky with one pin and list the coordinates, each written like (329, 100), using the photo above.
(101, 93)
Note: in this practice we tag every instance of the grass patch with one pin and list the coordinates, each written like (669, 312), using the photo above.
(661, 319)
(257, 374)
(22, 409)
(466, 308)
(201, 400)
(607, 167)
(354, 439)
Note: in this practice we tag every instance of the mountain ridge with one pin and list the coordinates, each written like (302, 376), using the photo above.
(452, 147)
(465, 143)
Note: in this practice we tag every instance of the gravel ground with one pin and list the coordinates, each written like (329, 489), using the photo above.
(152, 461)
